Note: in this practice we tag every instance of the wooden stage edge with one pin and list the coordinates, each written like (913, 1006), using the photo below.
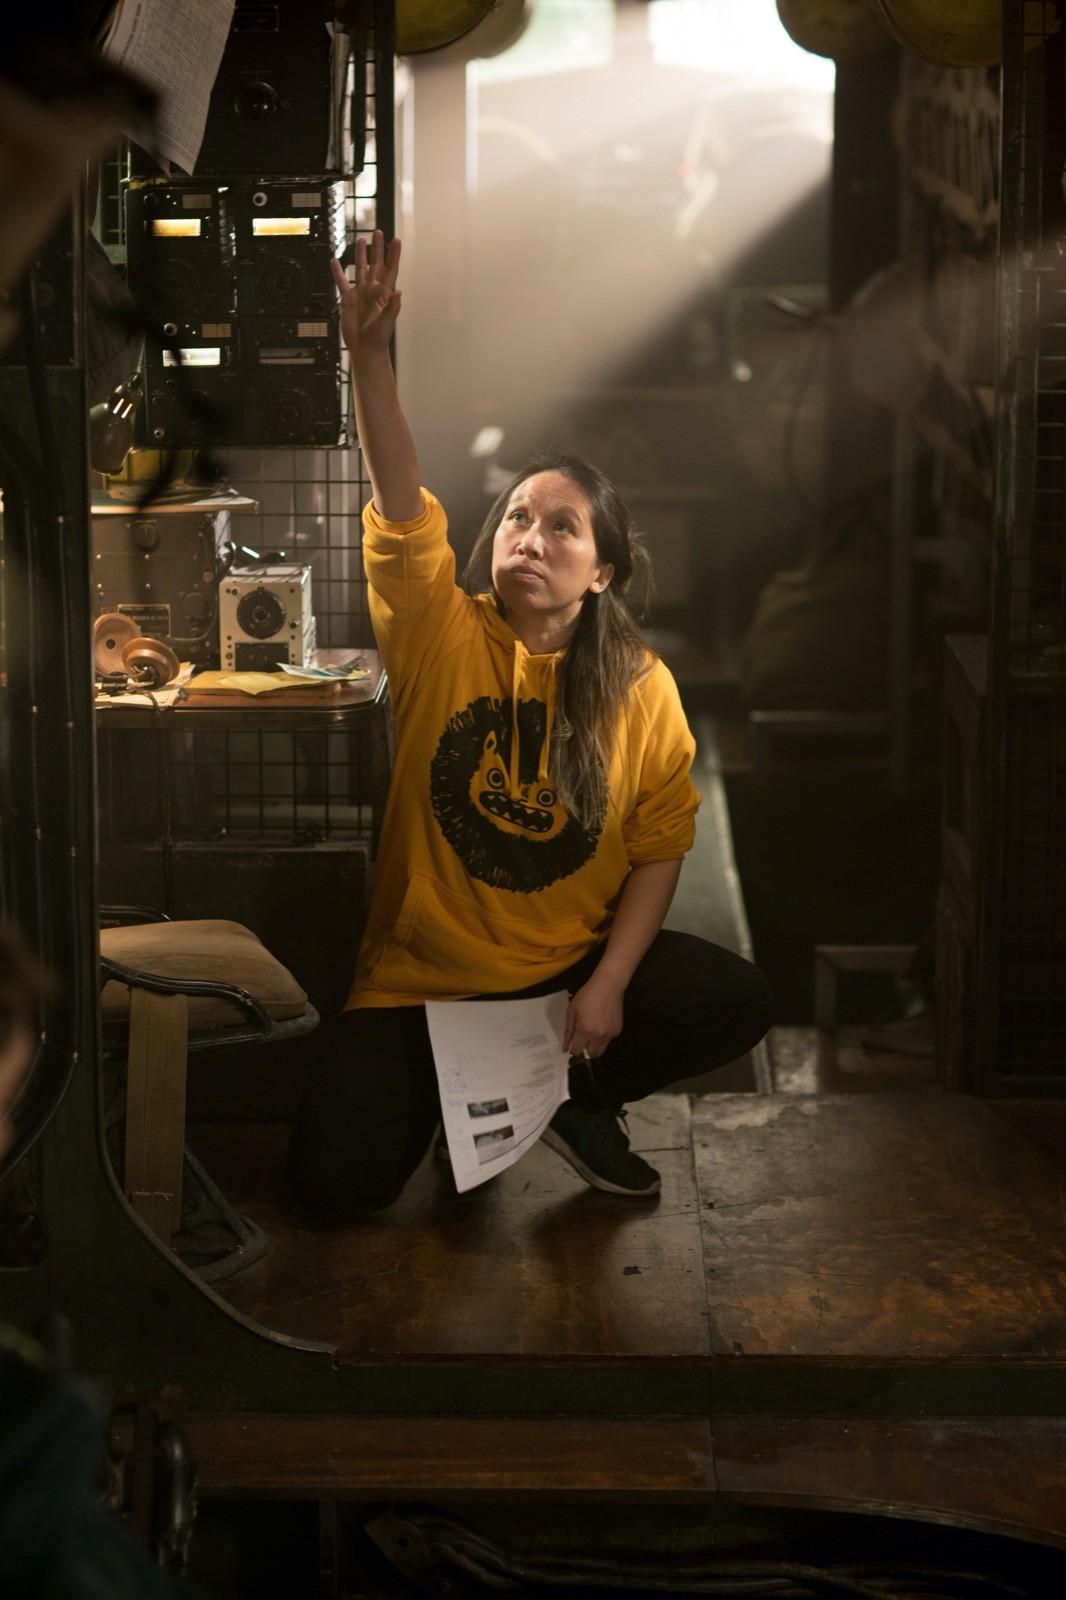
(1003, 1476)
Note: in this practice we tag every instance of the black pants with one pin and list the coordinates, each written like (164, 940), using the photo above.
(372, 1107)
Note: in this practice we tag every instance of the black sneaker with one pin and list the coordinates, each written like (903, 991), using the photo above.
(596, 1145)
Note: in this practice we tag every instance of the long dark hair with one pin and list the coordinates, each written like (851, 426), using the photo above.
(605, 657)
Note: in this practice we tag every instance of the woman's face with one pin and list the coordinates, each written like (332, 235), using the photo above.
(544, 558)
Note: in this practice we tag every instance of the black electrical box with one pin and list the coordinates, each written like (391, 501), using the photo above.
(278, 105)
(272, 106)
(284, 237)
(179, 251)
(162, 573)
(244, 344)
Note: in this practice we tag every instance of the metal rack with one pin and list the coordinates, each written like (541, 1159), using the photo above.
(304, 782)
(264, 814)
(949, 155)
(951, 160)
(1020, 948)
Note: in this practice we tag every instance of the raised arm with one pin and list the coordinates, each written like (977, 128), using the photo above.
(369, 309)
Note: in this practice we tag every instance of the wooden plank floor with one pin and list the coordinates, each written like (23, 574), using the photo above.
(840, 1229)
(879, 1228)
(817, 1257)
(533, 1263)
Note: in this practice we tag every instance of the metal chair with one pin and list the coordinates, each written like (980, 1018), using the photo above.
(160, 1006)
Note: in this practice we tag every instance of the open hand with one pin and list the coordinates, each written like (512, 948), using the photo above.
(370, 306)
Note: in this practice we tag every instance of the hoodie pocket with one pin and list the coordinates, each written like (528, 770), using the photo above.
(444, 943)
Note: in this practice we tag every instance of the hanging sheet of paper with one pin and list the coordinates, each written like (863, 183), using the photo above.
(502, 1071)
(175, 46)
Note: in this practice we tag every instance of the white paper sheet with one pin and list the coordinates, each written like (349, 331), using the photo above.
(175, 46)
(502, 1075)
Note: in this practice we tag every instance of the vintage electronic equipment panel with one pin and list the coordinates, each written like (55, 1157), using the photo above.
(265, 618)
(179, 244)
(290, 394)
(285, 236)
(181, 266)
(197, 401)
(239, 286)
(292, 358)
(277, 104)
(162, 572)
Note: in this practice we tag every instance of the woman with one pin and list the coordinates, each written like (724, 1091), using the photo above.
(540, 806)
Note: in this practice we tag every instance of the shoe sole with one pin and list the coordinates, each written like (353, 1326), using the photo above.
(572, 1159)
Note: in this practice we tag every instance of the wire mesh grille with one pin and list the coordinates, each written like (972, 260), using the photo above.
(309, 506)
(298, 785)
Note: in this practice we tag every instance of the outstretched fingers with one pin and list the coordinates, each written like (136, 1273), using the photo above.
(369, 305)
(392, 265)
(340, 278)
(381, 265)
(375, 267)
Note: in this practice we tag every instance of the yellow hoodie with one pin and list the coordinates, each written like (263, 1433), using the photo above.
(484, 882)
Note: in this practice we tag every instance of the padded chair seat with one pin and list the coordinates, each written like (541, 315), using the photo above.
(224, 951)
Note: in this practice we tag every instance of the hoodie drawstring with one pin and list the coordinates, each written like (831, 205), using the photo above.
(516, 679)
(519, 660)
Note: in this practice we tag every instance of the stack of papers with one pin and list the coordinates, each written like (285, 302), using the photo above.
(286, 677)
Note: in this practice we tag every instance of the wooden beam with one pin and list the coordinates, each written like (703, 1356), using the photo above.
(471, 1457)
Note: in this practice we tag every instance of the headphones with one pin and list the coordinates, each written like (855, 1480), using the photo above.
(119, 650)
